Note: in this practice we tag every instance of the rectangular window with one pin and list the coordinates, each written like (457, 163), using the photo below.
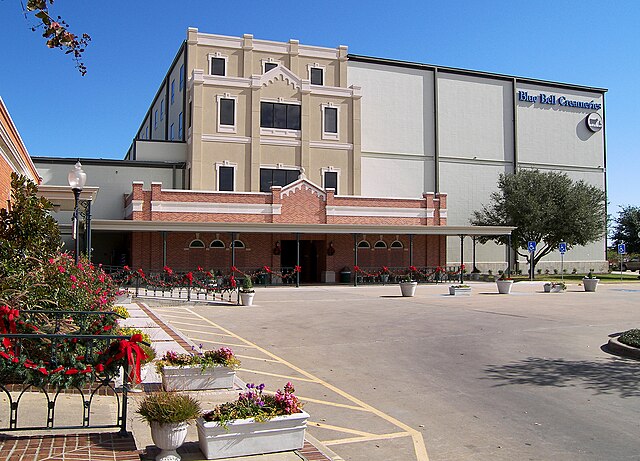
(180, 126)
(146, 132)
(269, 65)
(181, 77)
(273, 177)
(277, 115)
(171, 134)
(218, 66)
(155, 119)
(330, 120)
(331, 180)
(161, 110)
(317, 76)
(227, 111)
(190, 112)
(225, 178)
(173, 82)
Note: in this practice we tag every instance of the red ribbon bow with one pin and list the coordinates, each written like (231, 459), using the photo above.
(134, 354)
(297, 269)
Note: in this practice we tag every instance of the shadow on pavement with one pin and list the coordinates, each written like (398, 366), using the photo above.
(603, 377)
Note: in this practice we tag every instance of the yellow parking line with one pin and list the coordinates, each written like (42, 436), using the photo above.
(418, 441)
(200, 331)
(196, 340)
(333, 404)
(395, 435)
(256, 358)
(341, 429)
(295, 378)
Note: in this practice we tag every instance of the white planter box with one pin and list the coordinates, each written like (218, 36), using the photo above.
(460, 291)
(590, 284)
(194, 379)
(245, 437)
(408, 289)
(247, 298)
(557, 289)
(504, 286)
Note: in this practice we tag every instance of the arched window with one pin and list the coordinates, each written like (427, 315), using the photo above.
(217, 244)
(196, 243)
(238, 244)
(380, 245)
(363, 244)
(397, 244)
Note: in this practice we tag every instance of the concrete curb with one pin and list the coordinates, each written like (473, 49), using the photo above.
(622, 349)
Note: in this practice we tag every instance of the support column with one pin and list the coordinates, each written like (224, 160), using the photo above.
(411, 249)
(164, 248)
(87, 220)
(297, 259)
(233, 249)
(461, 257)
(355, 259)
(509, 254)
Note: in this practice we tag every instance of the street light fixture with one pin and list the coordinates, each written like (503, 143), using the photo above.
(77, 179)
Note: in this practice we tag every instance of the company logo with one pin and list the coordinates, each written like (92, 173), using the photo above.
(594, 122)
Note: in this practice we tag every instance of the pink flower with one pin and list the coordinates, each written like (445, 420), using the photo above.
(61, 269)
(73, 278)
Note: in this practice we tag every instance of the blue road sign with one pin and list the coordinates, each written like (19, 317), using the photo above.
(562, 247)
(531, 246)
(622, 248)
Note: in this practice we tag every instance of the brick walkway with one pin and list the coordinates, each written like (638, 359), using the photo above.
(80, 447)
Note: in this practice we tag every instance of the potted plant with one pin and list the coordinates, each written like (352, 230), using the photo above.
(408, 286)
(460, 290)
(198, 371)
(168, 415)
(504, 284)
(475, 274)
(247, 292)
(255, 423)
(589, 282)
(554, 287)
(145, 363)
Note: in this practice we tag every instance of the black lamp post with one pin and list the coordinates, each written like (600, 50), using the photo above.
(77, 179)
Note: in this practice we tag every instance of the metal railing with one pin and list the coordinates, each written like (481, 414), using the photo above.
(92, 344)
(423, 274)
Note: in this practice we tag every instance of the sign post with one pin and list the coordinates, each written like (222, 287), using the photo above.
(531, 246)
(563, 249)
(622, 249)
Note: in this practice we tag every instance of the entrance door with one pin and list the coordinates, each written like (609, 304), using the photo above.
(308, 258)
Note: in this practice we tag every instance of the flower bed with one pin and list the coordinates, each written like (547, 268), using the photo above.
(199, 371)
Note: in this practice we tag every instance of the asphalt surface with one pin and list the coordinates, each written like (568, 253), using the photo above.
(485, 377)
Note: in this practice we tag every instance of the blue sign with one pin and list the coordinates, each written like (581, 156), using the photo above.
(531, 246)
(562, 247)
(551, 99)
(622, 248)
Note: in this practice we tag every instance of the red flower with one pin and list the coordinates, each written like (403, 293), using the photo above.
(107, 327)
(71, 371)
(43, 370)
(60, 368)
(100, 367)
(127, 268)
(137, 338)
(356, 268)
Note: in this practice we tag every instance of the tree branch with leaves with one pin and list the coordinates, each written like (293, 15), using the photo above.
(56, 31)
(545, 207)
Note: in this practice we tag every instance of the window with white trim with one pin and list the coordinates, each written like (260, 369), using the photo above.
(331, 181)
(269, 65)
(196, 243)
(379, 245)
(217, 244)
(397, 245)
(363, 244)
(237, 244)
(316, 75)
(226, 177)
(276, 177)
(330, 121)
(280, 115)
(218, 65)
(226, 113)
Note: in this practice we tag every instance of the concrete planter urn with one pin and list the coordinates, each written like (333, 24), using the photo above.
(247, 298)
(244, 437)
(408, 289)
(590, 284)
(168, 437)
(194, 378)
(460, 290)
(504, 286)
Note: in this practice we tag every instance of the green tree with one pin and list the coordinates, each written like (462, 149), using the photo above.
(627, 228)
(545, 207)
(56, 31)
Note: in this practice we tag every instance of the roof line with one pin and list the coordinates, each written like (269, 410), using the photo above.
(109, 162)
(477, 73)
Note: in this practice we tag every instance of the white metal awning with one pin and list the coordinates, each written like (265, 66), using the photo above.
(271, 228)
(62, 196)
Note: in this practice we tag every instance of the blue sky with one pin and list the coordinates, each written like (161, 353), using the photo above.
(60, 113)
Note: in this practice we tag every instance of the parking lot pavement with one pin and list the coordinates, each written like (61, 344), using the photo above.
(489, 376)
